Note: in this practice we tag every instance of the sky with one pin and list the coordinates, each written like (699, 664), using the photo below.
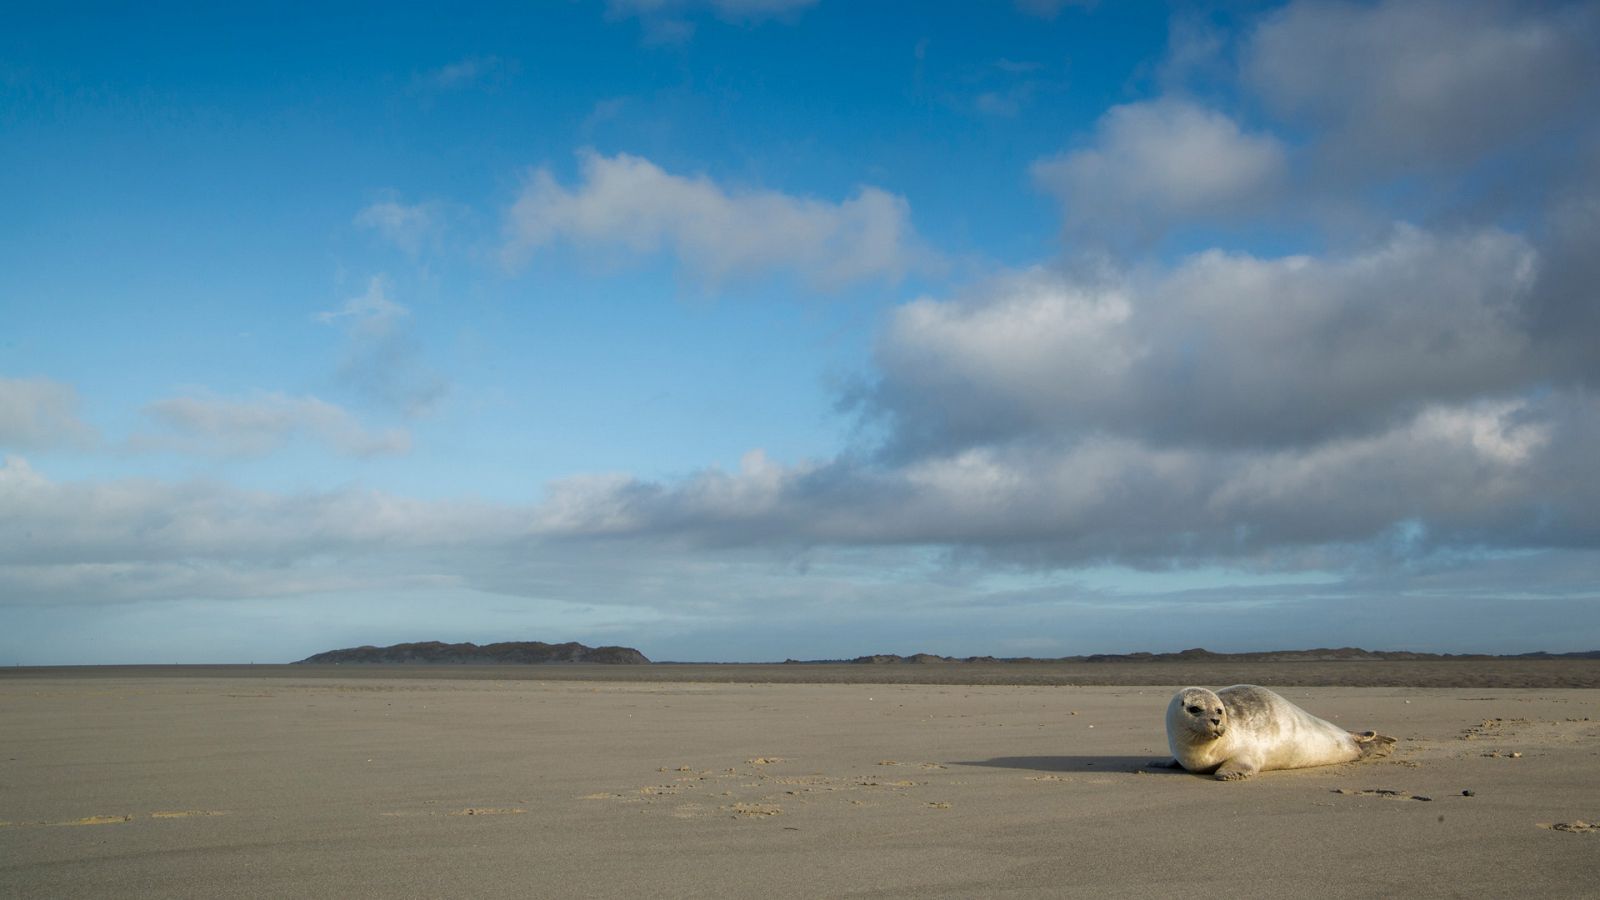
(744, 330)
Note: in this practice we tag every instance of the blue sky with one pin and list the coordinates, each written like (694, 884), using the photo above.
(753, 329)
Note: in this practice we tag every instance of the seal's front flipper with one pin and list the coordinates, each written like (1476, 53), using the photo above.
(1373, 744)
(1237, 769)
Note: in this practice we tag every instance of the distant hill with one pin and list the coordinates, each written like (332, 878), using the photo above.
(1321, 654)
(505, 653)
(540, 653)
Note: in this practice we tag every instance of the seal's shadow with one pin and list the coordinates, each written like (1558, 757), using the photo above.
(1087, 764)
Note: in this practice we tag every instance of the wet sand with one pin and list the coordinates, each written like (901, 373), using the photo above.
(290, 781)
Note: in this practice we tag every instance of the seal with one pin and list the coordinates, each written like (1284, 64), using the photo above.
(1241, 730)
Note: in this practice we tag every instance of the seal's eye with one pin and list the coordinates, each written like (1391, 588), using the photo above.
(1194, 710)
(1219, 709)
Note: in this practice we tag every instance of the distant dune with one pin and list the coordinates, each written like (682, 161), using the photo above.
(1322, 654)
(505, 653)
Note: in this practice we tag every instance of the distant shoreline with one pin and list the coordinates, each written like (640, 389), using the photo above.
(1437, 672)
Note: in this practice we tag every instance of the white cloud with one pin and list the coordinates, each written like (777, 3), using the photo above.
(628, 203)
(1196, 50)
(461, 74)
(407, 226)
(1007, 102)
(1152, 164)
(370, 313)
(136, 539)
(669, 22)
(742, 9)
(1049, 9)
(1405, 84)
(384, 361)
(211, 523)
(264, 423)
(1003, 104)
(38, 413)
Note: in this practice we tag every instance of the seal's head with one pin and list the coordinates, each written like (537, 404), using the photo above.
(1197, 714)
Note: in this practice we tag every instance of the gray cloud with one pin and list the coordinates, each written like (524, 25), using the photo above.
(625, 203)
(38, 413)
(1423, 84)
(1224, 349)
(1563, 314)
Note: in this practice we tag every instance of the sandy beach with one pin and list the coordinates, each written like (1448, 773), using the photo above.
(313, 782)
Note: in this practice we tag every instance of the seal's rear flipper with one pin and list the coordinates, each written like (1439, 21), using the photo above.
(1373, 744)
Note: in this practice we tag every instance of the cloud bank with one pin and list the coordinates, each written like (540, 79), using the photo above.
(1225, 349)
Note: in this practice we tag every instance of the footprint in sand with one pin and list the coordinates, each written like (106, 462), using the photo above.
(89, 820)
(92, 820)
(752, 793)
(1382, 792)
(755, 810)
(1576, 826)
(117, 820)
(468, 811)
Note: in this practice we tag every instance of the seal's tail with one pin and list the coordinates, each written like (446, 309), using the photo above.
(1373, 744)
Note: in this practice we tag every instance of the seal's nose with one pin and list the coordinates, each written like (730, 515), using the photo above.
(1216, 721)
